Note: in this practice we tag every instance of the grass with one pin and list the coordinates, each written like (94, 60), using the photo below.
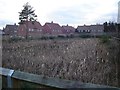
(105, 39)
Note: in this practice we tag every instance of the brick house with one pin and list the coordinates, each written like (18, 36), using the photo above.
(68, 30)
(31, 29)
(53, 29)
(11, 30)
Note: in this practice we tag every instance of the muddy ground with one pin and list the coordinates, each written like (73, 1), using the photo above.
(85, 60)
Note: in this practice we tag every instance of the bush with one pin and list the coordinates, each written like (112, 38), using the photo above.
(105, 39)
(10, 40)
(44, 38)
(85, 36)
(71, 36)
(51, 37)
(61, 36)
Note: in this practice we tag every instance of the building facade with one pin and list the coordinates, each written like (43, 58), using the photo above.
(68, 30)
(53, 29)
(118, 19)
(92, 29)
(11, 30)
(30, 29)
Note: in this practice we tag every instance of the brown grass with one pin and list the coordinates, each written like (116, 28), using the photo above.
(84, 60)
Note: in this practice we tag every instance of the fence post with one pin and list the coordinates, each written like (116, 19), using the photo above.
(9, 80)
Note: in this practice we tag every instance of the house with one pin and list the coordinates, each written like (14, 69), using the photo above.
(91, 29)
(1, 32)
(53, 29)
(11, 30)
(97, 28)
(30, 29)
(68, 30)
(83, 29)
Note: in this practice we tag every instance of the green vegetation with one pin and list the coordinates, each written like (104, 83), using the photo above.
(27, 14)
(85, 36)
(105, 39)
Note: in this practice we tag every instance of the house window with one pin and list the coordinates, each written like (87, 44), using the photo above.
(15, 31)
(83, 30)
(32, 29)
(29, 29)
(93, 30)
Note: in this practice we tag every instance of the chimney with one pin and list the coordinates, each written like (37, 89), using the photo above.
(52, 22)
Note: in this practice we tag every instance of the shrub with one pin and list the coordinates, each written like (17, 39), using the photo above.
(44, 38)
(51, 37)
(105, 39)
(85, 36)
(15, 39)
(61, 36)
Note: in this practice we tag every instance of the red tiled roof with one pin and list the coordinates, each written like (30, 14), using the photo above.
(53, 26)
(33, 25)
(68, 29)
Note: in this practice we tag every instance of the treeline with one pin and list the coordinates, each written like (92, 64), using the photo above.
(111, 27)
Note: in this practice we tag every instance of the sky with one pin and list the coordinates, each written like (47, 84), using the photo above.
(71, 12)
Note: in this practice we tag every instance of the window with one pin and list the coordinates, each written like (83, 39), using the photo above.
(15, 31)
(32, 29)
(88, 30)
(29, 29)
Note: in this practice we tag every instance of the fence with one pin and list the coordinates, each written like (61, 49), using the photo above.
(18, 79)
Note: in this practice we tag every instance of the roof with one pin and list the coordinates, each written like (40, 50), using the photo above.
(84, 27)
(32, 25)
(97, 27)
(68, 28)
(53, 26)
(90, 27)
(11, 27)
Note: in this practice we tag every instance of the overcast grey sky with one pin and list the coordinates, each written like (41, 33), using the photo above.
(71, 12)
